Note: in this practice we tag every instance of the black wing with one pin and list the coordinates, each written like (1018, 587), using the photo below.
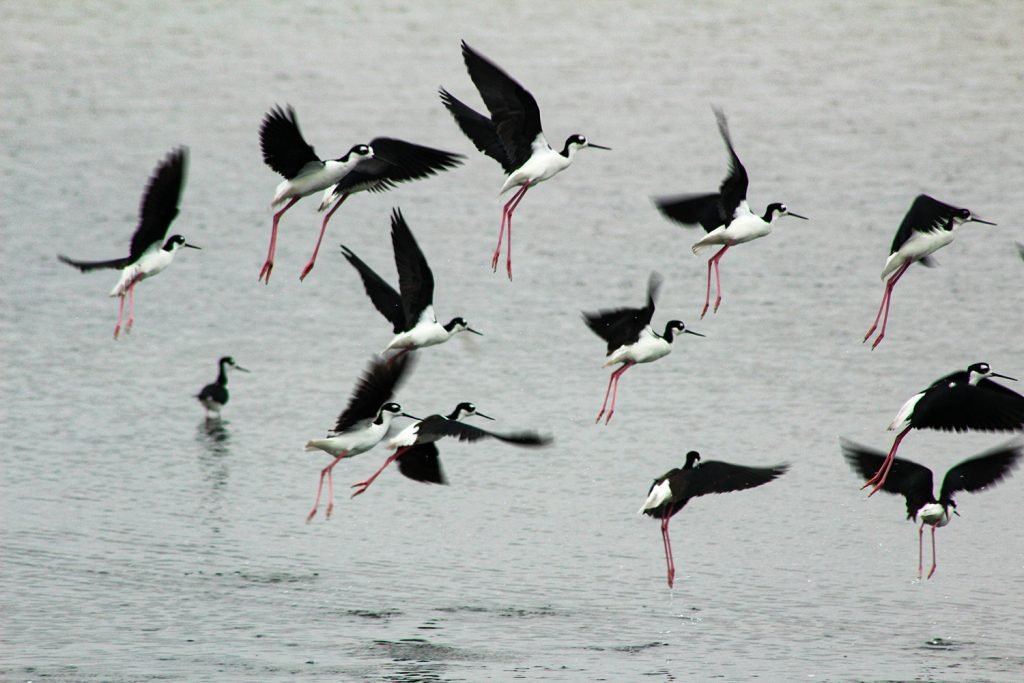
(479, 129)
(925, 214)
(514, 112)
(733, 189)
(383, 295)
(375, 388)
(215, 392)
(980, 472)
(906, 477)
(621, 326)
(415, 281)
(711, 477)
(157, 211)
(422, 463)
(440, 426)
(959, 406)
(284, 148)
(395, 161)
(693, 209)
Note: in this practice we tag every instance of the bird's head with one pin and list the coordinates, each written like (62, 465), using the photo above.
(229, 361)
(778, 210)
(466, 409)
(692, 458)
(965, 216)
(391, 410)
(175, 242)
(357, 153)
(980, 371)
(456, 325)
(577, 142)
(677, 327)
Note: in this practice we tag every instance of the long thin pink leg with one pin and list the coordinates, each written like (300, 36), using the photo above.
(713, 261)
(884, 306)
(669, 561)
(120, 315)
(920, 548)
(607, 392)
(131, 305)
(269, 264)
(508, 248)
(888, 303)
(883, 471)
(365, 484)
(323, 228)
(330, 486)
(506, 218)
(718, 279)
(934, 563)
(615, 389)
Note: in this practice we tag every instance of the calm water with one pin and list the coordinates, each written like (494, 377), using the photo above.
(138, 544)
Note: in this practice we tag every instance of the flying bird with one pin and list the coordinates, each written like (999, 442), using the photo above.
(914, 483)
(374, 167)
(364, 422)
(417, 455)
(411, 313)
(724, 215)
(961, 401)
(214, 396)
(511, 135)
(928, 226)
(631, 339)
(673, 490)
(149, 252)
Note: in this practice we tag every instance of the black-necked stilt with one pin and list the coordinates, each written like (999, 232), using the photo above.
(512, 136)
(724, 215)
(928, 226)
(631, 339)
(914, 482)
(373, 167)
(673, 490)
(961, 401)
(365, 421)
(214, 395)
(417, 455)
(149, 253)
(411, 313)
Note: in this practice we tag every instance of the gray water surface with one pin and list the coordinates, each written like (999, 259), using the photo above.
(139, 543)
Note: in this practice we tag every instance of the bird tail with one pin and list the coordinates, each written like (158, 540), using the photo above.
(658, 496)
(128, 276)
(313, 445)
(327, 199)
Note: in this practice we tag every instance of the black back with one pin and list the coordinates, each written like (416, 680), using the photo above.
(513, 109)
(284, 148)
(953, 404)
(375, 388)
(711, 476)
(395, 161)
(158, 209)
(711, 210)
(622, 326)
(926, 214)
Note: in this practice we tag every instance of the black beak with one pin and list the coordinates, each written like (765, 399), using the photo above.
(470, 329)
(239, 367)
(591, 144)
(975, 219)
(486, 417)
(996, 374)
(408, 415)
(698, 334)
(191, 246)
(796, 215)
